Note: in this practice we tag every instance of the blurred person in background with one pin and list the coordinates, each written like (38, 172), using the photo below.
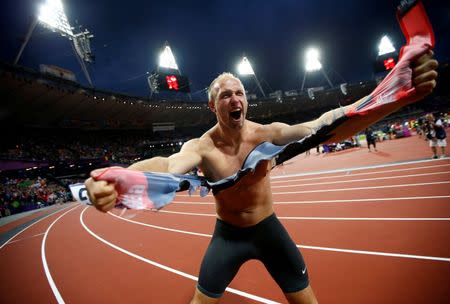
(370, 138)
(436, 135)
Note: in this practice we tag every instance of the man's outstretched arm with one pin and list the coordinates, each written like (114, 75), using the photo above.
(178, 163)
(423, 80)
(103, 192)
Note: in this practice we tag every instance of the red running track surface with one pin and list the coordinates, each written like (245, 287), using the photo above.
(377, 234)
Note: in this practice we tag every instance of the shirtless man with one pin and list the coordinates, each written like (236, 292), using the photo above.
(246, 226)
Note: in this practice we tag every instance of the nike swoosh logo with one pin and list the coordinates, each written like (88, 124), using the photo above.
(304, 271)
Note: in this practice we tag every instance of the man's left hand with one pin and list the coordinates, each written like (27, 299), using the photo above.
(424, 75)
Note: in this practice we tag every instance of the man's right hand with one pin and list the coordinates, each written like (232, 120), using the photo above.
(101, 193)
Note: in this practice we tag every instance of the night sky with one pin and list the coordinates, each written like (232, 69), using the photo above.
(209, 37)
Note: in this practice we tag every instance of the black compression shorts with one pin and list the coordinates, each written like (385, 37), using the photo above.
(267, 241)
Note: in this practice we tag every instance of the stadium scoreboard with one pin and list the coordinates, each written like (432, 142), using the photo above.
(385, 63)
(168, 80)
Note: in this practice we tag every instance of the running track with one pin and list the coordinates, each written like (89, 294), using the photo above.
(378, 234)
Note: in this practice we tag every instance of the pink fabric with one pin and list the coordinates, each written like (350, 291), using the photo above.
(397, 86)
(131, 186)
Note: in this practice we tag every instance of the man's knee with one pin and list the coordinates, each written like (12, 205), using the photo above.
(201, 298)
(305, 296)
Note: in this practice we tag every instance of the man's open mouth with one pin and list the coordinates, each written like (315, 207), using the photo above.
(236, 114)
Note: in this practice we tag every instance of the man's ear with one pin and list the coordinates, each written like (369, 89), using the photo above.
(212, 106)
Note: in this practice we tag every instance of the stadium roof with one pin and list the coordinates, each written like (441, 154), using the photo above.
(33, 99)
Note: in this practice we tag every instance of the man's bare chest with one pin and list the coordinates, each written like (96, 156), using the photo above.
(221, 163)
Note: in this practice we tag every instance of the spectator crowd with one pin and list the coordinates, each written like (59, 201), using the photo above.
(19, 195)
(27, 191)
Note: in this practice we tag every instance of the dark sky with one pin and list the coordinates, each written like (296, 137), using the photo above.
(209, 37)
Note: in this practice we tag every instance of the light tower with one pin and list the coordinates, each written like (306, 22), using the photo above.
(244, 68)
(312, 64)
(167, 76)
(387, 56)
(52, 16)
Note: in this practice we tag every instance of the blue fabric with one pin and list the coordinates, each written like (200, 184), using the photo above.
(264, 151)
(163, 186)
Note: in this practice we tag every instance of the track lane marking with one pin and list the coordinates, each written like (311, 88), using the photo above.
(346, 189)
(9, 240)
(327, 218)
(365, 252)
(396, 255)
(349, 171)
(50, 280)
(363, 179)
(364, 188)
(167, 268)
(26, 238)
(360, 168)
(362, 200)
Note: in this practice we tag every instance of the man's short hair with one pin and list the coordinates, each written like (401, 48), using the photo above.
(212, 91)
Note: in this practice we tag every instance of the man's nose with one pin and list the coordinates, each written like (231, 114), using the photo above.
(234, 98)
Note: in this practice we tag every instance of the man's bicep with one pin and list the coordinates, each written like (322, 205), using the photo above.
(178, 163)
(183, 162)
(156, 164)
(187, 159)
(283, 134)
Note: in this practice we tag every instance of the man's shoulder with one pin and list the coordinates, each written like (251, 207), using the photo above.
(254, 126)
(198, 142)
(269, 128)
(265, 132)
(205, 142)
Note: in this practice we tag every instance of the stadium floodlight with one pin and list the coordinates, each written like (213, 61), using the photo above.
(168, 77)
(312, 64)
(52, 15)
(166, 59)
(312, 60)
(244, 68)
(385, 46)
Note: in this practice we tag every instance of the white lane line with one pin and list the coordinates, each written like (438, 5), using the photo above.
(192, 203)
(380, 253)
(329, 218)
(44, 259)
(359, 168)
(365, 218)
(349, 173)
(156, 264)
(365, 200)
(26, 238)
(396, 255)
(363, 179)
(361, 200)
(348, 189)
(189, 213)
(43, 218)
(160, 227)
(363, 188)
